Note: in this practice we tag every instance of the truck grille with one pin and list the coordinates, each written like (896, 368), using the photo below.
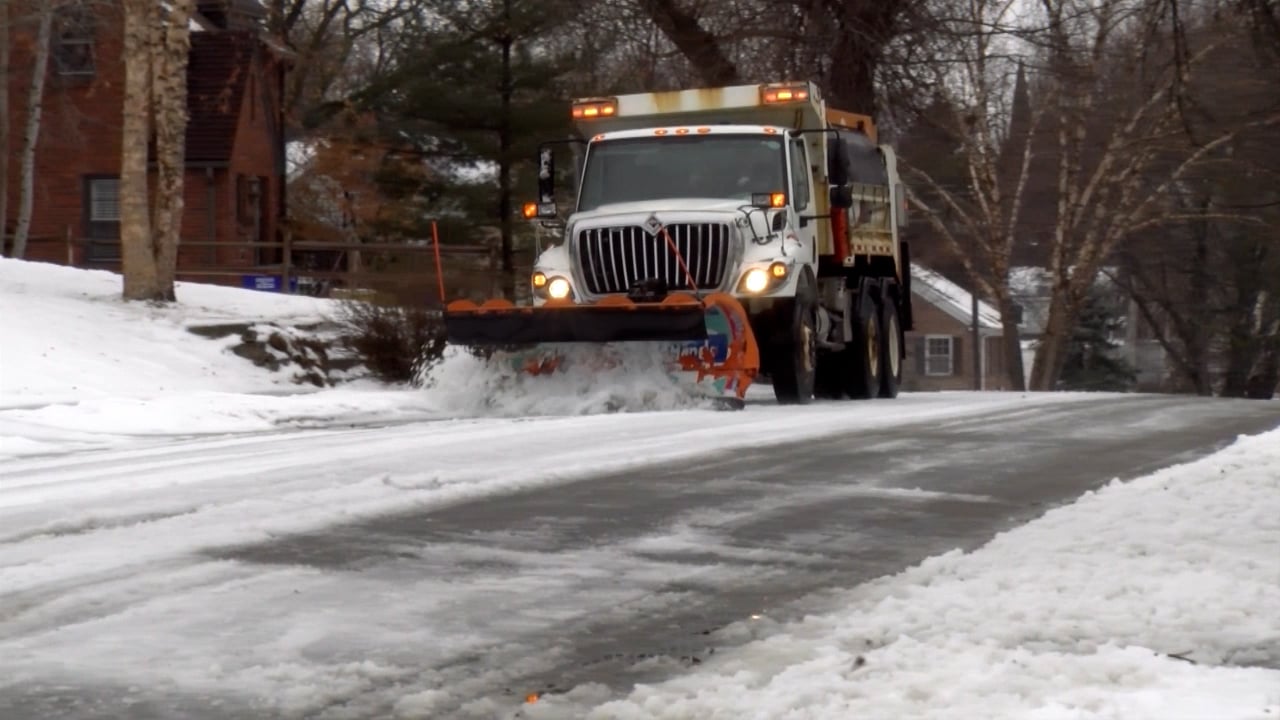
(613, 259)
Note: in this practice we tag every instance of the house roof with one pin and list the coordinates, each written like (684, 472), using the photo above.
(217, 74)
(951, 298)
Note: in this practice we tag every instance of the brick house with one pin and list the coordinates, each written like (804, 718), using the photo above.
(940, 347)
(234, 184)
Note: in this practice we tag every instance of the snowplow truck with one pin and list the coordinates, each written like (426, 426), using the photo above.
(745, 232)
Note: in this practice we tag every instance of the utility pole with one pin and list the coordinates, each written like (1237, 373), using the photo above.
(977, 344)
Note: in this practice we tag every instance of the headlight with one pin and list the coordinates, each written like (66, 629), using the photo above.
(756, 281)
(539, 280)
(558, 288)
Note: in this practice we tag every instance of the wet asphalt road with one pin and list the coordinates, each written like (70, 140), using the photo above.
(773, 527)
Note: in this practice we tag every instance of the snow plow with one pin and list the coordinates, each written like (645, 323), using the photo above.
(703, 343)
(736, 233)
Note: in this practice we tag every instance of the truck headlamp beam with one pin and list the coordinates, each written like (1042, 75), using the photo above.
(759, 280)
(558, 288)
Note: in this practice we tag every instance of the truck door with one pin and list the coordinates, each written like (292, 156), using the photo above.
(802, 197)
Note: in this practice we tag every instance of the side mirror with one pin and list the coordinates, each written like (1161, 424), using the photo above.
(841, 197)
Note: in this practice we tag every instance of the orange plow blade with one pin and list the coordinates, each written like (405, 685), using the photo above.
(704, 343)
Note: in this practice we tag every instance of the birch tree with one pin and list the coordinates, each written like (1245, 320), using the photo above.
(983, 111)
(1103, 136)
(1116, 174)
(156, 48)
(31, 130)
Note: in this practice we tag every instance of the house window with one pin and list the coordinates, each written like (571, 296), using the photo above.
(72, 50)
(102, 217)
(938, 351)
(104, 200)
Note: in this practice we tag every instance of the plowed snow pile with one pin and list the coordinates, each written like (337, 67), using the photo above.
(634, 380)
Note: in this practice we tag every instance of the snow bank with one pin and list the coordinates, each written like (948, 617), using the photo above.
(1155, 598)
(68, 336)
(81, 369)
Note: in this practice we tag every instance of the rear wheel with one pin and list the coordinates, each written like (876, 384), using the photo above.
(865, 350)
(891, 358)
(793, 348)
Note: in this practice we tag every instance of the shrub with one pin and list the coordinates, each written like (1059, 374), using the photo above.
(391, 340)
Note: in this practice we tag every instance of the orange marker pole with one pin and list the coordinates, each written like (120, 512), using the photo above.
(435, 243)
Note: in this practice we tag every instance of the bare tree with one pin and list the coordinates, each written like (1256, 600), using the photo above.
(988, 116)
(1104, 132)
(333, 39)
(4, 122)
(1116, 170)
(839, 43)
(156, 46)
(31, 131)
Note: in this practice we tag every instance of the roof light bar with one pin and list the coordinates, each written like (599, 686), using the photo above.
(783, 93)
(593, 109)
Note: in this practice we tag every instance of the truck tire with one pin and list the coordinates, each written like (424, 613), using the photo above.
(891, 356)
(793, 347)
(863, 368)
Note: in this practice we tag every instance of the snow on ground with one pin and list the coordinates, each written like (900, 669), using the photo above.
(195, 449)
(69, 337)
(81, 369)
(1155, 598)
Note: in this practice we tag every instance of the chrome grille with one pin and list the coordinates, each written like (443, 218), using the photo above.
(613, 259)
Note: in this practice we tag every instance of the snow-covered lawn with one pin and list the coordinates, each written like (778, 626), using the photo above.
(82, 369)
(1157, 598)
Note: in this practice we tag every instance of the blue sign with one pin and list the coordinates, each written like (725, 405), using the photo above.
(268, 283)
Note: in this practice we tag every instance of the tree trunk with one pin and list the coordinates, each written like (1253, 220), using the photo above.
(1051, 353)
(1012, 346)
(701, 48)
(137, 257)
(169, 57)
(1243, 348)
(1264, 383)
(31, 135)
(1201, 325)
(4, 124)
(863, 29)
(504, 161)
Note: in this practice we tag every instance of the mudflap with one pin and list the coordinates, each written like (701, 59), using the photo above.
(703, 345)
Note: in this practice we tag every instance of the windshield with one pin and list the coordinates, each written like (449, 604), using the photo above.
(702, 166)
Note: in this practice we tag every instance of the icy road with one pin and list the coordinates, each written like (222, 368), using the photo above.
(452, 568)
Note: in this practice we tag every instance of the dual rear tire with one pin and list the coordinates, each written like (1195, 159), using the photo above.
(870, 365)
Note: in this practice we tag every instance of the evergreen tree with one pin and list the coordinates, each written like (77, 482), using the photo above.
(473, 89)
(1092, 363)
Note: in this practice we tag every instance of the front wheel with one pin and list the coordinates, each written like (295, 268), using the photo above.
(793, 348)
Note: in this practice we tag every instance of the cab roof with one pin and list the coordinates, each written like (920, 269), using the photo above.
(687, 130)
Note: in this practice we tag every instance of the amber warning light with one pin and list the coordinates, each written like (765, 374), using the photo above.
(595, 109)
(785, 94)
